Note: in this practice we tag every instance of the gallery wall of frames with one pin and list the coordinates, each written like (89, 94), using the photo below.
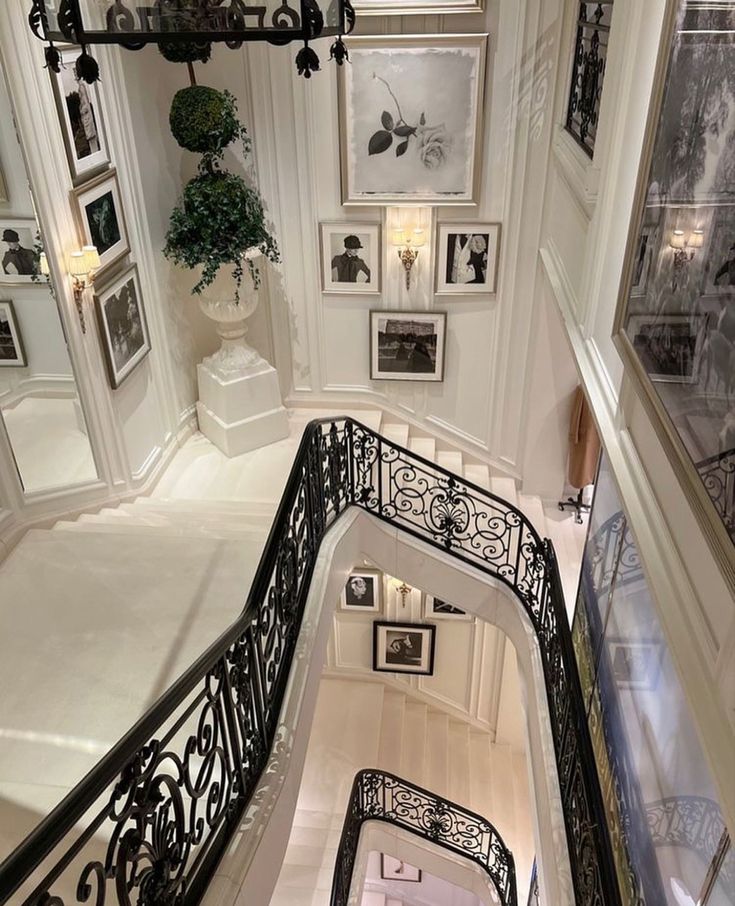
(670, 839)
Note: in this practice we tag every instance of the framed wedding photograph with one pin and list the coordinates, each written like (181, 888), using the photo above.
(410, 114)
(467, 258)
(351, 257)
(101, 218)
(437, 609)
(407, 345)
(404, 648)
(669, 346)
(392, 869)
(80, 116)
(363, 591)
(19, 257)
(122, 323)
(12, 353)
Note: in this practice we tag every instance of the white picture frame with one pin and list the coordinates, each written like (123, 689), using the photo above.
(81, 119)
(407, 345)
(416, 7)
(351, 257)
(18, 257)
(122, 324)
(438, 609)
(101, 218)
(467, 257)
(363, 592)
(12, 351)
(410, 114)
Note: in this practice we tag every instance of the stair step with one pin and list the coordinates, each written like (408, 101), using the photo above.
(195, 517)
(533, 510)
(481, 791)
(123, 527)
(371, 418)
(391, 732)
(264, 508)
(396, 432)
(478, 474)
(437, 754)
(504, 486)
(459, 762)
(423, 446)
(451, 460)
(413, 754)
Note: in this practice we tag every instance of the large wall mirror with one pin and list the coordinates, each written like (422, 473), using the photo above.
(676, 319)
(39, 402)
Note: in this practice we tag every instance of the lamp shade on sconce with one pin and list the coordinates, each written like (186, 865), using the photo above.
(43, 264)
(696, 240)
(399, 237)
(77, 264)
(91, 258)
(418, 238)
(678, 239)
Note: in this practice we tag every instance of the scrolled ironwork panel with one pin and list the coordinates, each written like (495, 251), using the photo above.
(588, 71)
(380, 796)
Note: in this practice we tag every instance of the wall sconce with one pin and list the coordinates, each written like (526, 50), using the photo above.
(408, 242)
(402, 589)
(43, 267)
(81, 266)
(684, 250)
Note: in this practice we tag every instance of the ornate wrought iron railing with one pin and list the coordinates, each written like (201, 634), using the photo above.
(149, 823)
(534, 896)
(718, 476)
(379, 796)
(588, 71)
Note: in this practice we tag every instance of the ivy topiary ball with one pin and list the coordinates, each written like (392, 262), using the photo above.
(203, 119)
(185, 51)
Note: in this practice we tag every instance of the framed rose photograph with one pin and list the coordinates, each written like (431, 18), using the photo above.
(407, 345)
(123, 327)
(363, 592)
(404, 648)
(12, 354)
(410, 110)
(19, 255)
(80, 116)
(101, 218)
(351, 257)
(467, 258)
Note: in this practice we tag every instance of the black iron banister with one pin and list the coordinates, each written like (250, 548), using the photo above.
(169, 796)
(380, 796)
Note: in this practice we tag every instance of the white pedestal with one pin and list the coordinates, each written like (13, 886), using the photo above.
(241, 412)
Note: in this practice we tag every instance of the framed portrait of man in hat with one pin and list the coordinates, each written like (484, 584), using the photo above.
(19, 258)
(351, 257)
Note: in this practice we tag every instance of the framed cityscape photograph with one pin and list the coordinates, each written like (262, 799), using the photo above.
(19, 257)
(363, 592)
(467, 258)
(410, 112)
(407, 346)
(80, 117)
(404, 648)
(12, 354)
(101, 218)
(351, 256)
(437, 609)
(123, 327)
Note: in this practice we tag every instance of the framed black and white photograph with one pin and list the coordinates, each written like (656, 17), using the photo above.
(12, 354)
(19, 256)
(635, 665)
(416, 7)
(4, 197)
(410, 111)
(363, 591)
(407, 345)
(438, 609)
(351, 257)
(642, 263)
(101, 218)
(123, 327)
(404, 648)
(392, 869)
(467, 258)
(720, 257)
(669, 346)
(80, 116)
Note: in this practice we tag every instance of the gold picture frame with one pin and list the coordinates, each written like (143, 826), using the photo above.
(691, 482)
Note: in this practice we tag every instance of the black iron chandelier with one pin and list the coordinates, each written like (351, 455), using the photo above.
(185, 30)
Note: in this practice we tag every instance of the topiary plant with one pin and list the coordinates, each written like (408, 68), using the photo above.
(219, 216)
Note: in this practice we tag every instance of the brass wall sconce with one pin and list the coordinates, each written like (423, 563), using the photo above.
(82, 266)
(408, 243)
(685, 247)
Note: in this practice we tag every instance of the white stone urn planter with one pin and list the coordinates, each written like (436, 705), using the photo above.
(240, 407)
